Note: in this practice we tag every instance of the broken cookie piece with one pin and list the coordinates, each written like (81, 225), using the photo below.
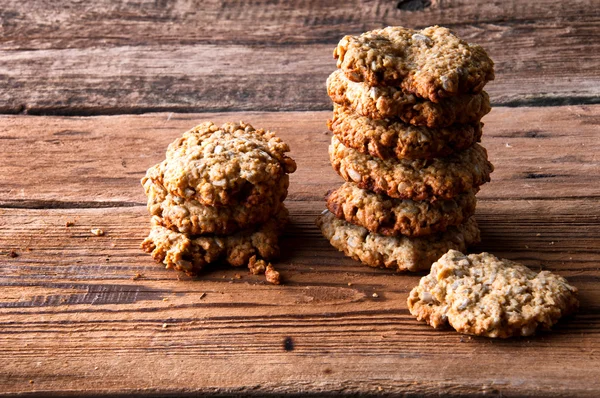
(483, 295)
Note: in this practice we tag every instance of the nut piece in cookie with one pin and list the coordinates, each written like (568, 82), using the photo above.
(227, 165)
(191, 254)
(400, 253)
(392, 217)
(432, 63)
(483, 295)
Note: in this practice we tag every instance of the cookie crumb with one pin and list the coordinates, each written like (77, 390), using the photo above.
(164, 325)
(137, 276)
(272, 275)
(97, 231)
(375, 295)
(69, 224)
(202, 295)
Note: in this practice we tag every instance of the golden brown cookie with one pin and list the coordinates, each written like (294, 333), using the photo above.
(392, 217)
(194, 218)
(226, 165)
(392, 138)
(422, 179)
(483, 295)
(391, 102)
(192, 253)
(432, 63)
(397, 252)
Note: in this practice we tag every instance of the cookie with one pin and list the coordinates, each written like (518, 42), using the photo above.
(432, 63)
(483, 295)
(193, 253)
(227, 165)
(194, 218)
(392, 217)
(398, 252)
(392, 102)
(392, 138)
(420, 179)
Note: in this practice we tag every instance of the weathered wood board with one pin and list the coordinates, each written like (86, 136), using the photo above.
(196, 56)
(86, 314)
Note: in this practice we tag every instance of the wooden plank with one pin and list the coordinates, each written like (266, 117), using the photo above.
(98, 161)
(152, 56)
(74, 317)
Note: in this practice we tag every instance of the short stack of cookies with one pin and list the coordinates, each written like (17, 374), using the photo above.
(218, 197)
(406, 122)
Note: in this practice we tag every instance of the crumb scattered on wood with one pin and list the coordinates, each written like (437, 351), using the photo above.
(97, 231)
(137, 276)
(13, 254)
(375, 295)
(202, 295)
(165, 325)
(69, 223)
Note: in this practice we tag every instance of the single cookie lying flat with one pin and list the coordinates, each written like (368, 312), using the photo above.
(193, 218)
(192, 253)
(400, 253)
(391, 138)
(482, 295)
(421, 179)
(390, 102)
(432, 63)
(392, 217)
(227, 165)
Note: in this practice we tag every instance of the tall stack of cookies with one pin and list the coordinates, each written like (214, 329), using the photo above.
(406, 122)
(218, 197)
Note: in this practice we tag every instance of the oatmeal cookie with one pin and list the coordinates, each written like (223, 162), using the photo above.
(420, 179)
(390, 102)
(432, 63)
(398, 252)
(483, 295)
(225, 165)
(391, 138)
(194, 218)
(192, 253)
(392, 217)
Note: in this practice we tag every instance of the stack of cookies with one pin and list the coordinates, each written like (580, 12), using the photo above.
(218, 197)
(406, 122)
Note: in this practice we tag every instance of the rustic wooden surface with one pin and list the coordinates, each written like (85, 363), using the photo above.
(81, 314)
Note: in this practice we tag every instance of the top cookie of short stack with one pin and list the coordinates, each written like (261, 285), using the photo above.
(432, 63)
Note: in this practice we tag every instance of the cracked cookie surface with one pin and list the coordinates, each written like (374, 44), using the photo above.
(420, 179)
(432, 63)
(396, 252)
(483, 295)
(392, 138)
(389, 102)
(193, 253)
(392, 217)
(226, 165)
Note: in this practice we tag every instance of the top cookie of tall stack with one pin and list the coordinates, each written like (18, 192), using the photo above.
(432, 63)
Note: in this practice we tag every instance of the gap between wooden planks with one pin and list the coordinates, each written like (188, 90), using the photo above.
(112, 58)
(74, 317)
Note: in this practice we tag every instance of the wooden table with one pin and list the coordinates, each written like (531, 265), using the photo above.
(92, 93)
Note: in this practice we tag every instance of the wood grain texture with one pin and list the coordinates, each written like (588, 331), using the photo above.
(192, 56)
(87, 314)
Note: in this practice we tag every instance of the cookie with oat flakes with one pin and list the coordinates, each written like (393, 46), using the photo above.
(191, 253)
(400, 253)
(191, 217)
(391, 102)
(387, 216)
(219, 166)
(433, 63)
(419, 179)
(483, 295)
(391, 138)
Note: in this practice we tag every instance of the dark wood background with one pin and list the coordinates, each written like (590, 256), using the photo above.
(93, 92)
